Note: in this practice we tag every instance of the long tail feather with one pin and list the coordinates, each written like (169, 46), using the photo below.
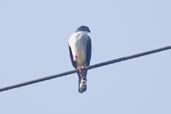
(82, 81)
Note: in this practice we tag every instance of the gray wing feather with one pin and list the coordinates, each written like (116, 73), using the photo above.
(71, 56)
(89, 46)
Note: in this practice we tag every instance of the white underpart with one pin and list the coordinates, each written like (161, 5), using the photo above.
(78, 44)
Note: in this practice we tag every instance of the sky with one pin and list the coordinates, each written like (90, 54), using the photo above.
(34, 43)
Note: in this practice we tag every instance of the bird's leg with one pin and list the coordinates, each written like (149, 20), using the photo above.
(80, 68)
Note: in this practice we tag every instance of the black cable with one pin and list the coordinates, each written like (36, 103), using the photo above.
(89, 67)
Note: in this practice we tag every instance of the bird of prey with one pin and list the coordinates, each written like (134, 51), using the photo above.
(80, 54)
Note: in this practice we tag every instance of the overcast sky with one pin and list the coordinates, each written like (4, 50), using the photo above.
(34, 43)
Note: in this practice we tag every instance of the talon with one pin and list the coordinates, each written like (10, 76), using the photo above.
(80, 68)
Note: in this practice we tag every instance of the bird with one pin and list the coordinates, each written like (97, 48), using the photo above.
(80, 48)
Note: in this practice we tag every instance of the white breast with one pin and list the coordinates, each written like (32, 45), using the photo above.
(77, 42)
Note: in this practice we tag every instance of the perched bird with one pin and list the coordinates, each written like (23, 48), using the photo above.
(80, 54)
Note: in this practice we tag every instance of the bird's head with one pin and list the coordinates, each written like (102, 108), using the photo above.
(83, 28)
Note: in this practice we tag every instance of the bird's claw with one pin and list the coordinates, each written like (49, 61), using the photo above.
(80, 68)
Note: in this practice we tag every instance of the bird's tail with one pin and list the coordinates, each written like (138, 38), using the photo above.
(82, 81)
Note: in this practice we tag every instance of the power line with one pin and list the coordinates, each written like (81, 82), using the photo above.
(88, 68)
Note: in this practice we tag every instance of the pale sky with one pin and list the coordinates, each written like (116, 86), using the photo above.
(34, 43)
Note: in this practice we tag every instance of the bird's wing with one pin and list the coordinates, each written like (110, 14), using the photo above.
(88, 57)
(71, 56)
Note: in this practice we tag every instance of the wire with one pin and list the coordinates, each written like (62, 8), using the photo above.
(88, 68)
(129, 57)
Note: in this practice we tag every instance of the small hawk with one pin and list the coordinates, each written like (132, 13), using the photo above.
(80, 54)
